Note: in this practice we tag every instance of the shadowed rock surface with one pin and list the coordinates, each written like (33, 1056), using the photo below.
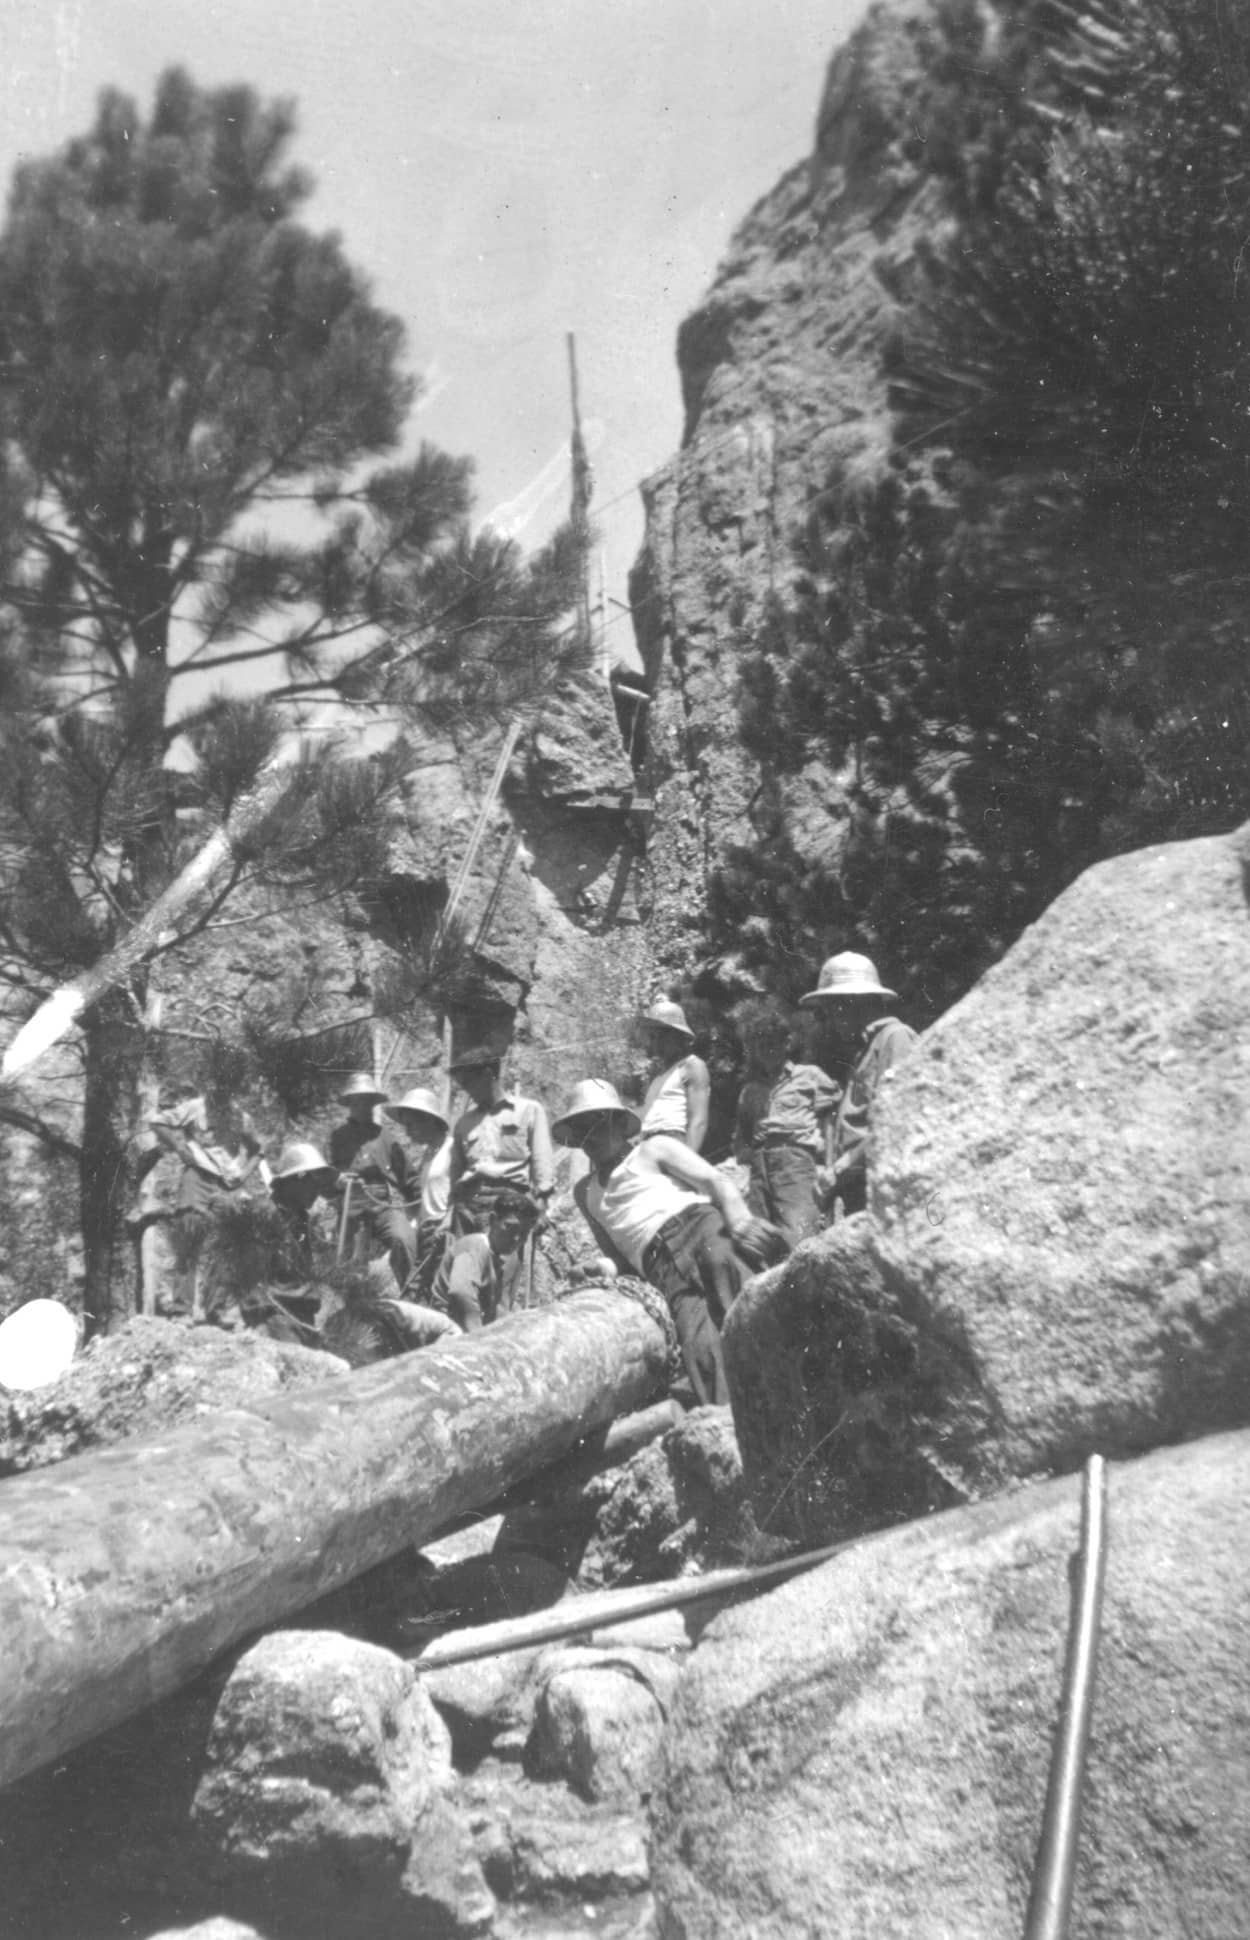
(864, 1751)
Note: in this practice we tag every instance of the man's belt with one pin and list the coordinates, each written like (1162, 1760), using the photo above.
(783, 1142)
(658, 1241)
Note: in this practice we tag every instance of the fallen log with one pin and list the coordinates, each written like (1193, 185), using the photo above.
(123, 1573)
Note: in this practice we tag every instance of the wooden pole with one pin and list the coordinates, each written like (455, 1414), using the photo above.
(603, 1608)
(580, 507)
(58, 1015)
(124, 1572)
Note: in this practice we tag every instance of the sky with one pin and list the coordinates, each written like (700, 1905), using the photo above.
(505, 172)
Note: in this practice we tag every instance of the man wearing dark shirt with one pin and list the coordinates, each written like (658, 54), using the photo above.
(785, 1126)
(853, 1006)
(373, 1163)
(473, 1283)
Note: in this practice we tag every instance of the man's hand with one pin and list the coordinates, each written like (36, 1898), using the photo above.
(759, 1244)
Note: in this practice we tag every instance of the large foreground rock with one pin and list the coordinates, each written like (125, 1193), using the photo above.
(1056, 1256)
(324, 1756)
(864, 1752)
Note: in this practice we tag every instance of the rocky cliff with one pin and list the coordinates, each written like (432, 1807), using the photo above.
(939, 600)
(547, 959)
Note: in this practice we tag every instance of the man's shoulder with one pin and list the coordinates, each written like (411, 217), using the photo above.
(889, 1040)
(528, 1107)
(471, 1246)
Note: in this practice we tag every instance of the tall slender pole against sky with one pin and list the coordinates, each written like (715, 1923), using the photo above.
(580, 509)
(503, 174)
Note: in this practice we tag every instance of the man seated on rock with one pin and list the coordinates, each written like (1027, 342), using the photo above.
(676, 1101)
(859, 1031)
(785, 1124)
(373, 1165)
(660, 1211)
(474, 1284)
(502, 1143)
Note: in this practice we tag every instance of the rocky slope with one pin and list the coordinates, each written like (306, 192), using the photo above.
(920, 651)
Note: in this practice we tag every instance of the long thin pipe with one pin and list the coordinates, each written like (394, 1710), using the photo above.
(1054, 1875)
(602, 1608)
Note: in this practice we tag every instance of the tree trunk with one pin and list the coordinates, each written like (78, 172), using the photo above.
(123, 1573)
(114, 1048)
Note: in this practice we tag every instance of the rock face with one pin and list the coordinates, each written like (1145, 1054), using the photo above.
(1056, 1255)
(598, 1721)
(678, 1504)
(324, 1754)
(784, 383)
(324, 1800)
(865, 1751)
(827, 518)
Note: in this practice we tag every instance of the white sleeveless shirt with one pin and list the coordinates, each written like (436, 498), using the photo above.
(635, 1203)
(666, 1107)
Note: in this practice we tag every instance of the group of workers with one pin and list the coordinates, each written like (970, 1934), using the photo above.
(454, 1208)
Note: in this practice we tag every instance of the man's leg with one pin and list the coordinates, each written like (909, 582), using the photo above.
(700, 1276)
(391, 1229)
(790, 1177)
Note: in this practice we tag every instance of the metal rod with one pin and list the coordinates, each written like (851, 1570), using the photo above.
(1054, 1874)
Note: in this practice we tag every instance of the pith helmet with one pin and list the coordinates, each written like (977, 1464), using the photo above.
(299, 1158)
(670, 1015)
(847, 975)
(478, 1057)
(422, 1103)
(361, 1085)
(591, 1099)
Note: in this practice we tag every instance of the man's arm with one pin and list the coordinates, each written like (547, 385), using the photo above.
(673, 1156)
(458, 1165)
(542, 1153)
(607, 1245)
(698, 1096)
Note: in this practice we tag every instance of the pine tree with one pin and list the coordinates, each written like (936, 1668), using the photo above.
(192, 385)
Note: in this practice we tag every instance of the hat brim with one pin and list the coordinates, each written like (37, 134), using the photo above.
(678, 1030)
(811, 997)
(571, 1120)
(326, 1173)
(361, 1097)
(415, 1111)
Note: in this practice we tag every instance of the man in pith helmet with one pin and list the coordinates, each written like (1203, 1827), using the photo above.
(860, 1030)
(502, 1142)
(428, 1132)
(677, 1097)
(660, 1211)
(288, 1306)
(373, 1164)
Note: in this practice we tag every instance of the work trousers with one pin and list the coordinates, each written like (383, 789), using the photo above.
(783, 1190)
(693, 1263)
(375, 1229)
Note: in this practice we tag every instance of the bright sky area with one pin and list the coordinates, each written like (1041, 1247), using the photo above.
(505, 171)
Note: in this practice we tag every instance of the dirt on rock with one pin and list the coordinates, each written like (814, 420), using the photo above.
(150, 1376)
